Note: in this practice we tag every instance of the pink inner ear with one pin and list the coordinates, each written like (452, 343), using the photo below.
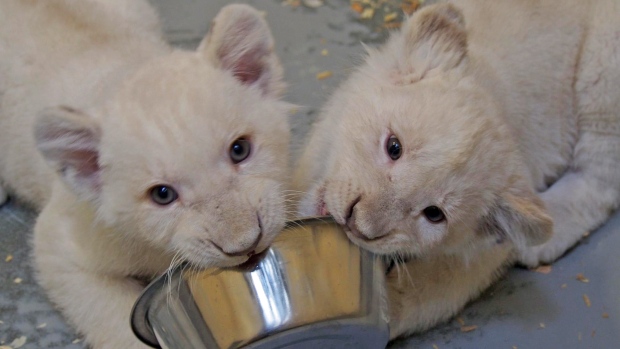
(74, 150)
(243, 53)
(249, 67)
(85, 162)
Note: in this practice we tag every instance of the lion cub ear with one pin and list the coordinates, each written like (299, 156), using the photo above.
(521, 216)
(240, 42)
(433, 40)
(69, 141)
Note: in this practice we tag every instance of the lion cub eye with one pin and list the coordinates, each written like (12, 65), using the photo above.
(240, 150)
(434, 214)
(393, 148)
(163, 195)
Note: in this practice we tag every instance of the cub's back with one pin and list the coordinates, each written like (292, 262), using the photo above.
(55, 52)
(533, 46)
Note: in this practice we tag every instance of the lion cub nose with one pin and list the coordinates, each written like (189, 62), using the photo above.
(351, 224)
(250, 251)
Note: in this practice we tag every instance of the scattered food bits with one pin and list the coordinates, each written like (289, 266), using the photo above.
(605, 316)
(435, 346)
(18, 280)
(43, 325)
(324, 75)
(582, 278)
(586, 234)
(593, 333)
(76, 340)
(384, 14)
(579, 336)
(357, 7)
(564, 286)
(468, 328)
(543, 269)
(514, 347)
(409, 6)
(367, 13)
(542, 325)
(18, 342)
(8, 258)
(313, 3)
(390, 17)
(1, 322)
(324, 52)
(586, 299)
(460, 321)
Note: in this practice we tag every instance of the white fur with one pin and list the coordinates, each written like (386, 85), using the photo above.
(508, 114)
(95, 110)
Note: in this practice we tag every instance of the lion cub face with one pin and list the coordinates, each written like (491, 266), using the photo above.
(190, 154)
(417, 157)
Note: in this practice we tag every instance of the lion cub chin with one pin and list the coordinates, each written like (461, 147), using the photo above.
(472, 135)
(142, 155)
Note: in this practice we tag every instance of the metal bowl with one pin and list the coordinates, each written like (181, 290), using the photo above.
(312, 288)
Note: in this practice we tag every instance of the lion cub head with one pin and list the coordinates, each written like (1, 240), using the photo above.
(414, 154)
(190, 153)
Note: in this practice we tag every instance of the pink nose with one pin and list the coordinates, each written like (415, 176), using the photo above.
(247, 252)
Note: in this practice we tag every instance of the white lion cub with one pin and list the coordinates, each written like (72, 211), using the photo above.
(473, 134)
(137, 153)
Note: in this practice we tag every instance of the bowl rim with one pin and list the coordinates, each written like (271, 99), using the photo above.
(139, 313)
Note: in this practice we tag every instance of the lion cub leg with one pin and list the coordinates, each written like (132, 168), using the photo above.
(426, 291)
(99, 305)
(588, 193)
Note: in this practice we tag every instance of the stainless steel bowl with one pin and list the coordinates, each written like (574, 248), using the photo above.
(312, 288)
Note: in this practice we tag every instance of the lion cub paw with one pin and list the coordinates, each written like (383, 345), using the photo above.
(546, 253)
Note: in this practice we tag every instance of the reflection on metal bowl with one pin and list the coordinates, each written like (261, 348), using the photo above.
(312, 288)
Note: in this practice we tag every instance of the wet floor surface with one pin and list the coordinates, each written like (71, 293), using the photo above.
(576, 304)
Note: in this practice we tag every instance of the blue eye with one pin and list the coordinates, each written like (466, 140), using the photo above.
(240, 150)
(163, 195)
(393, 148)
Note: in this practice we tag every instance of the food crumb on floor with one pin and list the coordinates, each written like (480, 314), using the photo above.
(543, 269)
(586, 299)
(384, 14)
(324, 75)
(468, 328)
(582, 278)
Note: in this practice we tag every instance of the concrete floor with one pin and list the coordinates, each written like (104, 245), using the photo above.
(526, 309)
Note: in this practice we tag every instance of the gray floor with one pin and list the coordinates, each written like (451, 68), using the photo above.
(526, 309)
